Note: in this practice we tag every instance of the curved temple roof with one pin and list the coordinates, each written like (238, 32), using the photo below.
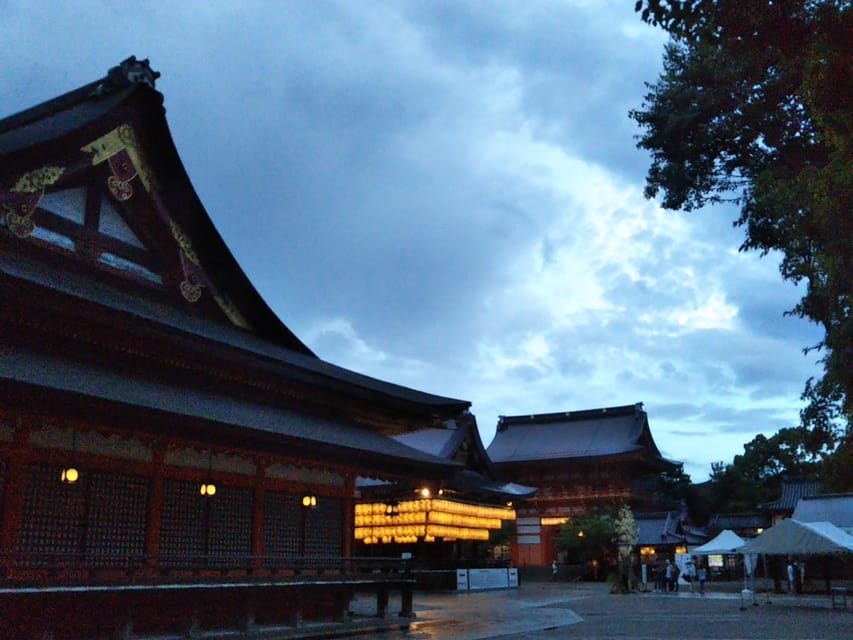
(126, 95)
(610, 431)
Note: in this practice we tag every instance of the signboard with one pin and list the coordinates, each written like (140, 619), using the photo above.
(487, 579)
(462, 579)
(479, 579)
(512, 573)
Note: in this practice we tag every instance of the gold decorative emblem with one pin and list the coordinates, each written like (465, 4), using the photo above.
(190, 290)
(230, 310)
(120, 148)
(20, 202)
(184, 242)
(36, 181)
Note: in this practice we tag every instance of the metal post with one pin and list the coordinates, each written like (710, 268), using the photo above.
(766, 579)
(382, 602)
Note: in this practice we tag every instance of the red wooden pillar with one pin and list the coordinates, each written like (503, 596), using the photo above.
(349, 518)
(155, 509)
(13, 491)
(258, 514)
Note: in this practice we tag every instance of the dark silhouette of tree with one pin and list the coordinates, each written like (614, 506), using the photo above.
(755, 107)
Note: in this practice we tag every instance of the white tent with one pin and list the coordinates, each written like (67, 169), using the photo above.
(800, 538)
(727, 541)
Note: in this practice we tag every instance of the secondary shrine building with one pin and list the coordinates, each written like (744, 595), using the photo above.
(460, 522)
(579, 461)
(172, 458)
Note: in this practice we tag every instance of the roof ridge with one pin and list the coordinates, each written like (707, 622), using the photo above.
(571, 416)
(124, 75)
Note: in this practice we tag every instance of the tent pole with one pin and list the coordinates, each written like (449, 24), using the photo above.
(766, 579)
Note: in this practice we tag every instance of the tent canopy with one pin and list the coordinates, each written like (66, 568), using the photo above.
(727, 541)
(795, 537)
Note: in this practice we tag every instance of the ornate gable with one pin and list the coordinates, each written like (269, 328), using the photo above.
(91, 183)
(101, 207)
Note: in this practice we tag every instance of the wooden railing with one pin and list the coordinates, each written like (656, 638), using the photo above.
(45, 569)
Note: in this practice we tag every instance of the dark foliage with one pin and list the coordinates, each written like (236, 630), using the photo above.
(755, 106)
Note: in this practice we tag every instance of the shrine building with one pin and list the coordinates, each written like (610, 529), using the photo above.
(459, 522)
(173, 459)
(580, 461)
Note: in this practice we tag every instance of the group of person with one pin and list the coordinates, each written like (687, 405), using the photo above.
(666, 576)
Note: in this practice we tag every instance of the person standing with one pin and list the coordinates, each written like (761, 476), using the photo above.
(703, 576)
(554, 571)
(668, 573)
(792, 577)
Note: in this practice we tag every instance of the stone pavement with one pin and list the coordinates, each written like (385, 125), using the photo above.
(554, 611)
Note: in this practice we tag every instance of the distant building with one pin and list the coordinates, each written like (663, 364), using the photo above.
(173, 459)
(792, 490)
(580, 461)
(662, 535)
(836, 508)
(452, 523)
(746, 525)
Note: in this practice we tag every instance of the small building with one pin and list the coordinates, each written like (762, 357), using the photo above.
(836, 508)
(746, 525)
(580, 461)
(662, 535)
(457, 522)
(793, 489)
(173, 458)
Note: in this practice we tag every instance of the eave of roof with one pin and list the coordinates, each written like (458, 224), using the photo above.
(792, 490)
(34, 131)
(32, 134)
(51, 374)
(610, 432)
(310, 369)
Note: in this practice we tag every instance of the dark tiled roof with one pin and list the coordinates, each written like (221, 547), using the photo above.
(478, 479)
(437, 442)
(662, 529)
(792, 490)
(578, 434)
(738, 521)
(127, 94)
(129, 88)
(57, 375)
(836, 508)
(320, 372)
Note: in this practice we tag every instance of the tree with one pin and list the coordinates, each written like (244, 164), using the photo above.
(627, 536)
(676, 486)
(755, 107)
(734, 492)
(756, 475)
(587, 537)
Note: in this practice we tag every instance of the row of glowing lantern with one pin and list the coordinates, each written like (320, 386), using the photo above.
(400, 539)
(404, 507)
(423, 517)
(422, 531)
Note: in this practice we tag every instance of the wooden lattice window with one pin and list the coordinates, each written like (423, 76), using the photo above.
(115, 520)
(197, 530)
(230, 522)
(182, 523)
(282, 524)
(101, 517)
(53, 513)
(324, 528)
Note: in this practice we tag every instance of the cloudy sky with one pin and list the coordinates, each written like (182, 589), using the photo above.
(447, 195)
